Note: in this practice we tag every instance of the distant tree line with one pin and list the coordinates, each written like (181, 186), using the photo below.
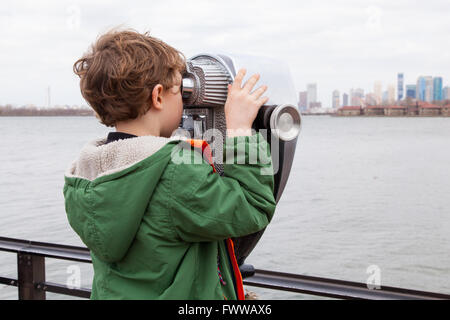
(9, 111)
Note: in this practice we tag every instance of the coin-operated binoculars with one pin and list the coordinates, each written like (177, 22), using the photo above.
(205, 89)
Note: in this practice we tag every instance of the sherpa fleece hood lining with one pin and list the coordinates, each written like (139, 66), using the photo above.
(99, 159)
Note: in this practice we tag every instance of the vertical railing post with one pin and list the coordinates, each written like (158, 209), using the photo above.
(31, 271)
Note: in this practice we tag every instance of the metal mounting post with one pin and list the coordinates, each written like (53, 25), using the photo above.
(31, 271)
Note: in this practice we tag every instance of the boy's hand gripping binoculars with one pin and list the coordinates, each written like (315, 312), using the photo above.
(204, 92)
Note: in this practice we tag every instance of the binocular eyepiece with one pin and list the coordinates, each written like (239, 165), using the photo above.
(204, 91)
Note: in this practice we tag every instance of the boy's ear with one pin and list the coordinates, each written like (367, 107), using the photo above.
(157, 96)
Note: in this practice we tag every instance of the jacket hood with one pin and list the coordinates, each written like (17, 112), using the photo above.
(108, 188)
(98, 159)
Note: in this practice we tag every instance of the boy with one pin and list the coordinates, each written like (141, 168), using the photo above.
(157, 229)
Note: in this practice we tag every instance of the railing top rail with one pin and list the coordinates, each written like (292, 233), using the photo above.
(50, 250)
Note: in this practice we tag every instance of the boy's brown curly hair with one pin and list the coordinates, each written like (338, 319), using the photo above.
(119, 72)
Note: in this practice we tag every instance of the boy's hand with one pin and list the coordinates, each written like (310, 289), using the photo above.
(241, 107)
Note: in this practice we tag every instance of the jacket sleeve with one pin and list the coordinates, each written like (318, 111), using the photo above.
(205, 206)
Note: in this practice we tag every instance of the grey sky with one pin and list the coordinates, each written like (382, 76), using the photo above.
(338, 44)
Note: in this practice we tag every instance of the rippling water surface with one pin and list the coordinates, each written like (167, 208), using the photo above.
(362, 192)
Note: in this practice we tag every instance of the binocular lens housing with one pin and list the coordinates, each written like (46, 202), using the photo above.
(188, 87)
(285, 122)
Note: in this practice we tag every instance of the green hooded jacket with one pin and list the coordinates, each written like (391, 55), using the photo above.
(156, 224)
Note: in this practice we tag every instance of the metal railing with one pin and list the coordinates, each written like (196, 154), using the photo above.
(32, 285)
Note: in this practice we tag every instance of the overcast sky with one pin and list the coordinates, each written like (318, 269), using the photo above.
(337, 44)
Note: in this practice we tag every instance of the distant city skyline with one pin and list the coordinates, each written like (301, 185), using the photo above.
(427, 89)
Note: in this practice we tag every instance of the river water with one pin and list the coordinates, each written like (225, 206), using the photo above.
(364, 194)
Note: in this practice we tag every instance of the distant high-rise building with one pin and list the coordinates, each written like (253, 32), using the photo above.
(385, 97)
(345, 100)
(420, 88)
(312, 93)
(437, 89)
(446, 93)
(370, 99)
(378, 92)
(391, 94)
(400, 84)
(303, 100)
(428, 89)
(336, 101)
(315, 105)
(411, 91)
(356, 96)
